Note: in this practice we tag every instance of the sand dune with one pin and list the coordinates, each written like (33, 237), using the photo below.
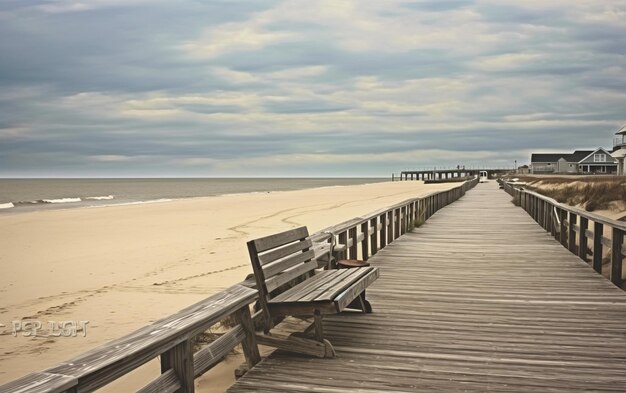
(121, 267)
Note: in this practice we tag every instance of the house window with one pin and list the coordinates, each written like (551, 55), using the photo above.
(599, 157)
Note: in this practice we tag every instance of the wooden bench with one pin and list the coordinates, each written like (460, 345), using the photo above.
(285, 272)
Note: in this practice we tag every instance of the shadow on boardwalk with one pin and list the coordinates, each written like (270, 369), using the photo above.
(478, 298)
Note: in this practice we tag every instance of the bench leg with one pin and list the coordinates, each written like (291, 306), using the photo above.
(319, 329)
(361, 303)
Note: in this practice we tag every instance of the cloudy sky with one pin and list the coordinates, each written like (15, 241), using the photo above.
(303, 88)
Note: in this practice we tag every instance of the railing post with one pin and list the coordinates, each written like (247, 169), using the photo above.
(582, 238)
(563, 228)
(342, 238)
(373, 236)
(180, 359)
(383, 230)
(390, 222)
(249, 345)
(617, 257)
(353, 249)
(598, 230)
(396, 229)
(366, 240)
(571, 242)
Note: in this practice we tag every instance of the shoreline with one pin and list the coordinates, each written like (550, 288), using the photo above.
(68, 202)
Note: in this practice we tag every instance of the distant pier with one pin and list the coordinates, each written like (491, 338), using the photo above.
(443, 174)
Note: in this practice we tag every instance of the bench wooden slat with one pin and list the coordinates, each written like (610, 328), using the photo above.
(282, 252)
(339, 276)
(280, 239)
(332, 292)
(40, 382)
(344, 299)
(167, 382)
(307, 286)
(282, 265)
(212, 354)
(289, 275)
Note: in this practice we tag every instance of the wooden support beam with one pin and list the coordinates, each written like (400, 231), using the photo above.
(180, 360)
(598, 230)
(617, 257)
(571, 240)
(582, 238)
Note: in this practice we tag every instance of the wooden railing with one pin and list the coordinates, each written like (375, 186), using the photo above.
(362, 237)
(581, 232)
(171, 339)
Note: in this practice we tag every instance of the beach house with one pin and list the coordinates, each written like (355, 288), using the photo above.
(578, 162)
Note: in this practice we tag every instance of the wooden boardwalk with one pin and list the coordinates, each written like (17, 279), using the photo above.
(480, 298)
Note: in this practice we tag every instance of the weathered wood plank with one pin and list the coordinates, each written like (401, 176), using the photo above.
(166, 383)
(285, 277)
(282, 252)
(272, 269)
(280, 239)
(40, 382)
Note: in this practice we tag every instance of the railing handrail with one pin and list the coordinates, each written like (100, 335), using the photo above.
(335, 229)
(589, 215)
(170, 338)
(571, 226)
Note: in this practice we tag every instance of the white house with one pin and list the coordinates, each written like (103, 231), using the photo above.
(580, 161)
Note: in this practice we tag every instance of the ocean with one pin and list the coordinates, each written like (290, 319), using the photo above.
(23, 195)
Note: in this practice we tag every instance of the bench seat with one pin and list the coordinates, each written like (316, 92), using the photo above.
(329, 291)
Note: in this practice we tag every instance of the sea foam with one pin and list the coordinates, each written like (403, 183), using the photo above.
(61, 200)
(100, 198)
(6, 205)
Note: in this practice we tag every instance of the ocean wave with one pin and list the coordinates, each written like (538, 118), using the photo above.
(61, 200)
(100, 198)
(6, 205)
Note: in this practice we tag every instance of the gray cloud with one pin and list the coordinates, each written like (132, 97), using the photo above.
(110, 88)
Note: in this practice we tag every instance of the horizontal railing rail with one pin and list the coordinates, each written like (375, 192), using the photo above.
(171, 339)
(581, 232)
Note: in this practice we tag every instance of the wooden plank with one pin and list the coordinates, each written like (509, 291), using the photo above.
(248, 344)
(272, 269)
(582, 238)
(616, 256)
(344, 298)
(180, 360)
(295, 293)
(166, 383)
(40, 382)
(332, 291)
(330, 282)
(293, 344)
(212, 354)
(280, 239)
(289, 275)
(598, 229)
(275, 254)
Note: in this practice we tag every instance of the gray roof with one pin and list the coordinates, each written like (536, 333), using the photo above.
(577, 156)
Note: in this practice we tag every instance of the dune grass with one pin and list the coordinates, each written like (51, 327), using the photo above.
(593, 193)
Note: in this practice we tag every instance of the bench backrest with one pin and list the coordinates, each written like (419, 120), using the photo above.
(279, 259)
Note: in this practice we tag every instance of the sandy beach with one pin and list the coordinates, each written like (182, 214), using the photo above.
(122, 267)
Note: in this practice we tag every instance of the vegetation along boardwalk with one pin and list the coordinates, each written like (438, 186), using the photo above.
(478, 298)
